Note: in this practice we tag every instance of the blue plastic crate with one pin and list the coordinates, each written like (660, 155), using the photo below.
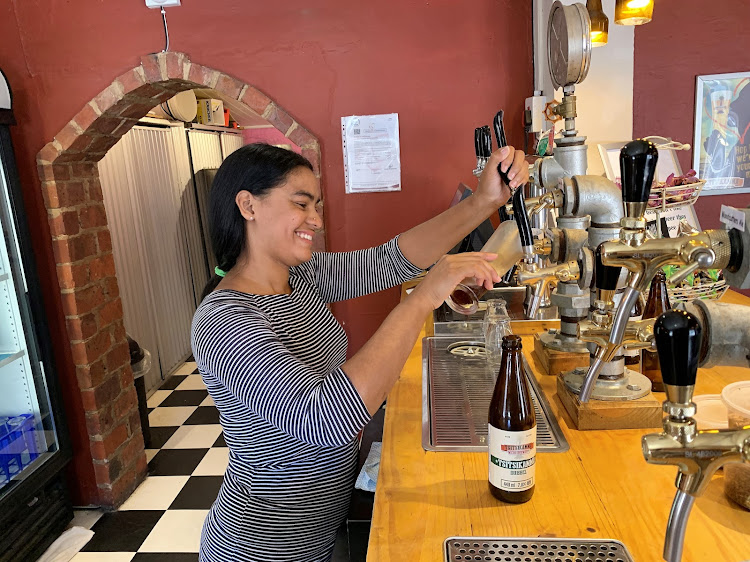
(18, 446)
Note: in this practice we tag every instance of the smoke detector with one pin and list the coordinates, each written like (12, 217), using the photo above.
(162, 3)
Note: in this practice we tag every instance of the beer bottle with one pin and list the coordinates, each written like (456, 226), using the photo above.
(512, 429)
(633, 356)
(657, 303)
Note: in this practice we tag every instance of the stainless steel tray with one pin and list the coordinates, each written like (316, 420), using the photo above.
(456, 393)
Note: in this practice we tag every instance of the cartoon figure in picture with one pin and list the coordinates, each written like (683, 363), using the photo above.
(720, 146)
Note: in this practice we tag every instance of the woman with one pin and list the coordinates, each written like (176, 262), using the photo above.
(274, 358)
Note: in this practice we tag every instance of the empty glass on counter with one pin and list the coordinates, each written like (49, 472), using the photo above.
(506, 243)
(496, 324)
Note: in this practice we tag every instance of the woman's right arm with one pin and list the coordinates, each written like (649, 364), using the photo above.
(375, 368)
(239, 347)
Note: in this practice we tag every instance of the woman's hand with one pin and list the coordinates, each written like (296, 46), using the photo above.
(491, 187)
(450, 270)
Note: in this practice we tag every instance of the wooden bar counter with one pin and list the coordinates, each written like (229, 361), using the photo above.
(601, 488)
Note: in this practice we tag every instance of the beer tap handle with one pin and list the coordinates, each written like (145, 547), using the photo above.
(487, 141)
(478, 142)
(497, 124)
(522, 220)
(637, 168)
(605, 276)
(678, 341)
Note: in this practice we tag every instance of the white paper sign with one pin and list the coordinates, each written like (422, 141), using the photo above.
(372, 155)
(672, 216)
(733, 218)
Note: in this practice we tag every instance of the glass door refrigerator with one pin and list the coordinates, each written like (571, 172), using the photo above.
(34, 446)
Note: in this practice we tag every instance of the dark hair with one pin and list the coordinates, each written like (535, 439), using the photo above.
(256, 168)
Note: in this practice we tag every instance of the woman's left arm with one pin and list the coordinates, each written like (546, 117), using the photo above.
(426, 243)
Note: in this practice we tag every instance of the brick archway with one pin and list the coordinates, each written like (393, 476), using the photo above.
(83, 248)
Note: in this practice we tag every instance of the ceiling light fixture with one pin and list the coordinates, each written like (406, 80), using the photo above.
(633, 12)
(599, 23)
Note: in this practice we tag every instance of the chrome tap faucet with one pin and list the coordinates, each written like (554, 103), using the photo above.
(697, 454)
(541, 279)
(528, 269)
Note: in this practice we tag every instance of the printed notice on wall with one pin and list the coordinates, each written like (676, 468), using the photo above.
(372, 156)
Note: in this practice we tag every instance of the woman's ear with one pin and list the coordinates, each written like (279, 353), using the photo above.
(245, 201)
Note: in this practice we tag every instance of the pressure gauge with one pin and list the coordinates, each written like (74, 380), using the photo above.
(568, 44)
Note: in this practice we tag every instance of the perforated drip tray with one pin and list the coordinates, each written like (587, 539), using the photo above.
(457, 388)
(502, 549)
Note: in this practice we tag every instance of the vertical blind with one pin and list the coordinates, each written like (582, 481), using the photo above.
(155, 183)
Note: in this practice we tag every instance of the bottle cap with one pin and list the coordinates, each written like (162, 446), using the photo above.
(512, 342)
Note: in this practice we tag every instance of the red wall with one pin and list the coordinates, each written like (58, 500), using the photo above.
(445, 67)
(687, 38)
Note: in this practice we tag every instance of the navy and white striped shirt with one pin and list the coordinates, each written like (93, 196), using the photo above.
(290, 415)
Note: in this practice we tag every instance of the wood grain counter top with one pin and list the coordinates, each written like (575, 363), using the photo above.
(601, 488)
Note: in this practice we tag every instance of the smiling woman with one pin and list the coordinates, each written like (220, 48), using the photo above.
(246, 182)
(273, 357)
(280, 227)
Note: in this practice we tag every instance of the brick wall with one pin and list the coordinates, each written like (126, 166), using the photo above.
(83, 251)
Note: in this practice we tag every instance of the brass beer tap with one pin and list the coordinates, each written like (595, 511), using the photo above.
(643, 257)
(541, 279)
(697, 454)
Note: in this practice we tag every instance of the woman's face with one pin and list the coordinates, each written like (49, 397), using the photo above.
(286, 219)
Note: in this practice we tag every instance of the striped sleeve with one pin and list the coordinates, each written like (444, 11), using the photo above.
(238, 346)
(347, 275)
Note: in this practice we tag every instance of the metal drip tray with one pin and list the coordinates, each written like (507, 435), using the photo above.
(457, 388)
(535, 549)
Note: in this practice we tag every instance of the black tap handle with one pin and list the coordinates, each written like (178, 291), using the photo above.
(605, 276)
(522, 218)
(497, 124)
(487, 141)
(678, 341)
(637, 168)
(478, 142)
(503, 213)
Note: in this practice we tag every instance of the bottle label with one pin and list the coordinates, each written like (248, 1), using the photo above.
(512, 458)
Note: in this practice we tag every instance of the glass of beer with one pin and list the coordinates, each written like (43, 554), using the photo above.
(506, 243)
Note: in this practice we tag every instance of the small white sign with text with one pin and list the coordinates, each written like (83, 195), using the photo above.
(733, 218)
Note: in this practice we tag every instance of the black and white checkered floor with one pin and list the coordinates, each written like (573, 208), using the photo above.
(162, 520)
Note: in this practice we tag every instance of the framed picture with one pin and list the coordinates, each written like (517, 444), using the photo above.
(721, 146)
(662, 224)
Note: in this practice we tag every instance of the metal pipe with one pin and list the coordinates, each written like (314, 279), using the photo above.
(726, 333)
(678, 518)
(595, 196)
